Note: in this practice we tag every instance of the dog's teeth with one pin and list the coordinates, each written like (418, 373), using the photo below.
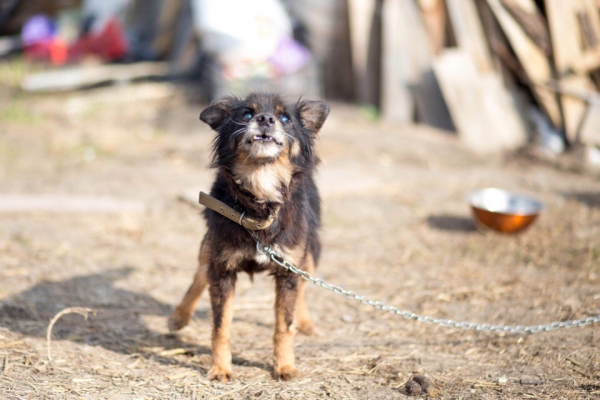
(266, 138)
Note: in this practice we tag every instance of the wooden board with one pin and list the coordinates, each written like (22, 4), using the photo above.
(77, 77)
(408, 84)
(589, 132)
(397, 102)
(574, 109)
(592, 8)
(482, 110)
(433, 13)
(470, 36)
(590, 127)
(590, 54)
(569, 52)
(532, 58)
(362, 19)
(329, 40)
(21, 203)
(469, 32)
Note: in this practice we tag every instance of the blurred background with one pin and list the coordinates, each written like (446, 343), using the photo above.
(500, 73)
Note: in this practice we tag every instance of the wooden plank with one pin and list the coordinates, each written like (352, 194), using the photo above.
(362, 14)
(397, 103)
(408, 83)
(590, 127)
(527, 15)
(532, 58)
(470, 36)
(565, 38)
(589, 58)
(78, 77)
(499, 46)
(591, 38)
(469, 33)
(482, 110)
(15, 203)
(167, 27)
(592, 8)
(433, 13)
(574, 109)
(329, 40)
(567, 43)
(587, 63)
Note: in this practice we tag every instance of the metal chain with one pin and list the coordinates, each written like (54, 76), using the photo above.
(447, 323)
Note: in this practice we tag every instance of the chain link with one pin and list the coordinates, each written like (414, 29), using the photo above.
(447, 323)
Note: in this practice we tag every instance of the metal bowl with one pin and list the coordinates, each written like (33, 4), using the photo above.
(503, 211)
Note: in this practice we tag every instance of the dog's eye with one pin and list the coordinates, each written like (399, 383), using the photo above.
(247, 116)
(284, 119)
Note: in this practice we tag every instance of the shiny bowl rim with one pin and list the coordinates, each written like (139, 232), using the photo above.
(537, 204)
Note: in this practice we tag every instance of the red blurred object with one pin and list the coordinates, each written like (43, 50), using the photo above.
(58, 51)
(110, 45)
(39, 50)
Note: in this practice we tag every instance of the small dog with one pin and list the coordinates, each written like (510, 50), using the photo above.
(265, 160)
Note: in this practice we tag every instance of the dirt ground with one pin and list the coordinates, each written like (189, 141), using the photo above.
(396, 228)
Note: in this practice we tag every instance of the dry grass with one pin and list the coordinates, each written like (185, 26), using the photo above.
(395, 228)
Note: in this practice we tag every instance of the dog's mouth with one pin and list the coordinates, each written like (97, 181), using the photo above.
(264, 138)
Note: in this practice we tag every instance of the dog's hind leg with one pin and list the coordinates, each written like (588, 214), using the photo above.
(304, 323)
(286, 290)
(184, 311)
(222, 289)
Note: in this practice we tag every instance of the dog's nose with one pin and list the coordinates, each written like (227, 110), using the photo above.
(265, 120)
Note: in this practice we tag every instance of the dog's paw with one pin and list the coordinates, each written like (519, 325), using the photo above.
(285, 373)
(306, 327)
(178, 320)
(220, 374)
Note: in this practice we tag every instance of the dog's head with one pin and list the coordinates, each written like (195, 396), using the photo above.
(263, 129)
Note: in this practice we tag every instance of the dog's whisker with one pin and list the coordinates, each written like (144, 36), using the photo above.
(290, 136)
(230, 119)
(241, 130)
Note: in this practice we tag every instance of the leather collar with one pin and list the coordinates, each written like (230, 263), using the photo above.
(237, 217)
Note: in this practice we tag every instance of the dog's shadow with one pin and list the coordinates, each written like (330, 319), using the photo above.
(451, 223)
(118, 325)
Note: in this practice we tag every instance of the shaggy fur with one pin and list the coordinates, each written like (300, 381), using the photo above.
(265, 161)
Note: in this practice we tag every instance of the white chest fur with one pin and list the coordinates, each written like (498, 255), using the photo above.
(264, 181)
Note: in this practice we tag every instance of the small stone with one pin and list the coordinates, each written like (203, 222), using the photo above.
(425, 385)
(347, 318)
(412, 388)
(526, 380)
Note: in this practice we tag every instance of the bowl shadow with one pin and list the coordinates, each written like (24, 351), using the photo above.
(590, 199)
(451, 223)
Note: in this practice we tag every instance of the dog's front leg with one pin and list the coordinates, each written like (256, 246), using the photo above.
(304, 322)
(185, 310)
(286, 291)
(221, 289)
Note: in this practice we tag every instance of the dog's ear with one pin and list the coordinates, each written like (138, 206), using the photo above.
(313, 114)
(216, 113)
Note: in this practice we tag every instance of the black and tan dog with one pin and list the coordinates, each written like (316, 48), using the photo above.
(265, 158)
